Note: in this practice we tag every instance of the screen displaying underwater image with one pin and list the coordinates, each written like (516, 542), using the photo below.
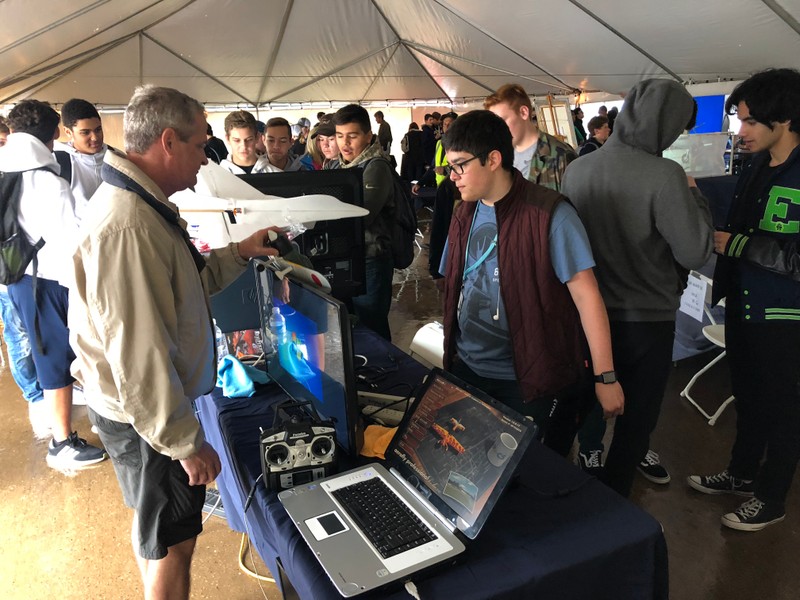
(301, 352)
(310, 354)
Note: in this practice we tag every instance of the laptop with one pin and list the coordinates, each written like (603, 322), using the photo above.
(448, 463)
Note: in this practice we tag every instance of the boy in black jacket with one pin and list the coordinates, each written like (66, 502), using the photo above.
(759, 272)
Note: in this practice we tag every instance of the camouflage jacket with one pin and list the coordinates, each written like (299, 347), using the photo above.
(549, 161)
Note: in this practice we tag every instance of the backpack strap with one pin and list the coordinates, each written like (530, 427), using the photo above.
(65, 162)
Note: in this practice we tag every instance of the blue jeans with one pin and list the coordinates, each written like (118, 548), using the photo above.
(373, 307)
(19, 350)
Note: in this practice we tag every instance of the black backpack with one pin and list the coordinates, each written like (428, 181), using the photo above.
(16, 252)
(404, 222)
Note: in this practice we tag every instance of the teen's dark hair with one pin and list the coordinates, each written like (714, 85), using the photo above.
(379, 114)
(771, 96)
(4, 126)
(596, 123)
(76, 109)
(353, 113)
(279, 122)
(478, 132)
(37, 118)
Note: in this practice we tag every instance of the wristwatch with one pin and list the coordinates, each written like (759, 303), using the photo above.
(606, 377)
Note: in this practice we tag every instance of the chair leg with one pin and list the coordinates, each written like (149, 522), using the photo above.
(722, 407)
(712, 419)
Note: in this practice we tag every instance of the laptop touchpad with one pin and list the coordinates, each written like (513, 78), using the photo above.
(327, 525)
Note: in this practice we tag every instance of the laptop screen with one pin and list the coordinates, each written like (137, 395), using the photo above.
(459, 448)
(313, 361)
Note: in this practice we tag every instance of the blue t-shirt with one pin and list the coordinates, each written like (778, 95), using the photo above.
(483, 341)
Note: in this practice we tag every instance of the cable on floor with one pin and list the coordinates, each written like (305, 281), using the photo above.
(244, 568)
(213, 508)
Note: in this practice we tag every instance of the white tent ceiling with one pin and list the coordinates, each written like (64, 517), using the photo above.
(279, 52)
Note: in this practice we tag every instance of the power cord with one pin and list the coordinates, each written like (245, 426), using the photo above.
(252, 493)
(213, 508)
(246, 536)
(404, 400)
(243, 551)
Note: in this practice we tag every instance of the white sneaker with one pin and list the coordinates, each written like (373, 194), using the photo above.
(40, 417)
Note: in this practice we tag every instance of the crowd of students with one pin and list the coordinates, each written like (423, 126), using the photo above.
(560, 277)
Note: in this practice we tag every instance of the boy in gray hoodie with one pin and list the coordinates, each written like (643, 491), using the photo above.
(647, 227)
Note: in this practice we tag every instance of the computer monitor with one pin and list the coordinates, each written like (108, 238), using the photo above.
(314, 362)
(235, 308)
(336, 248)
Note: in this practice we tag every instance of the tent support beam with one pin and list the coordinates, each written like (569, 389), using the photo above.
(420, 48)
(198, 69)
(428, 73)
(506, 47)
(26, 73)
(42, 84)
(54, 25)
(403, 42)
(425, 52)
(140, 66)
(94, 51)
(329, 73)
(625, 39)
(275, 49)
(382, 69)
(783, 14)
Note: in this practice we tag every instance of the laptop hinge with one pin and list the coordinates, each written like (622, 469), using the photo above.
(431, 508)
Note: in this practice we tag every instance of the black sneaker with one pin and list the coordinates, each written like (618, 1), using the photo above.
(721, 483)
(73, 454)
(753, 515)
(591, 462)
(652, 469)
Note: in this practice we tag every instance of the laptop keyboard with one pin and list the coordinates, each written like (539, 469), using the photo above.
(387, 522)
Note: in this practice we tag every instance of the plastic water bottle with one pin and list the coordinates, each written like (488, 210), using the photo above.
(221, 341)
(277, 327)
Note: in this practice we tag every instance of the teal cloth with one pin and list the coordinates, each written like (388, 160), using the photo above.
(238, 380)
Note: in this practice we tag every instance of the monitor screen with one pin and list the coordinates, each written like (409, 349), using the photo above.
(313, 359)
(336, 248)
(235, 308)
(459, 448)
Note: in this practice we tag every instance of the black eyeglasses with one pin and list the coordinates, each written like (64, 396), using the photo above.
(457, 168)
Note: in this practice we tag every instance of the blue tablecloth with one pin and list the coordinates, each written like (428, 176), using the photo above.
(556, 534)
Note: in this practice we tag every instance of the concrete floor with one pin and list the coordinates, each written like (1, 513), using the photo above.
(67, 537)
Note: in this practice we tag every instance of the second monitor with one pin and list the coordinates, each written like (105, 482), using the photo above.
(336, 248)
(312, 358)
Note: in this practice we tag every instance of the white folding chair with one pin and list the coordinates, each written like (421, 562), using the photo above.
(714, 333)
